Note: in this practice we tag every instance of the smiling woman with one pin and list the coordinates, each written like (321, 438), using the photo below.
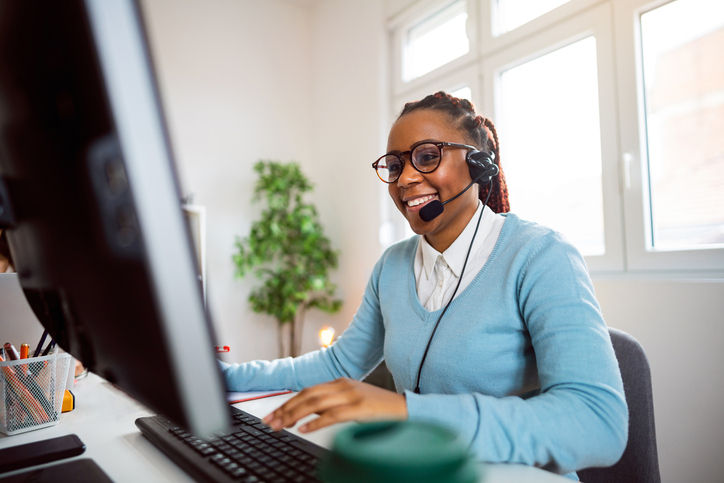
(487, 323)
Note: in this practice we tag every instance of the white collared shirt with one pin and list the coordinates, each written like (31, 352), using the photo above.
(436, 274)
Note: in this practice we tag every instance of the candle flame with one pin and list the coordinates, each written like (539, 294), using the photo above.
(326, 336)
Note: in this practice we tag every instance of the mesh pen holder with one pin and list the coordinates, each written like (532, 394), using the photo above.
(31, 392)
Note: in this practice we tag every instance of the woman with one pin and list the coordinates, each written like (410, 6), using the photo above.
(488, 323)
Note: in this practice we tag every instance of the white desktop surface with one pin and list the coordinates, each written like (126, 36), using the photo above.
(104, 419)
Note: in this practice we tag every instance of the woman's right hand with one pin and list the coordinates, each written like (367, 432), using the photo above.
(338, 401)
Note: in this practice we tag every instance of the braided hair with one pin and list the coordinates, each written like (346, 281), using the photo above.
(479, 130)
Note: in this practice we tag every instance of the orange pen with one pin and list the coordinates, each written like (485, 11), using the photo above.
(24, 348)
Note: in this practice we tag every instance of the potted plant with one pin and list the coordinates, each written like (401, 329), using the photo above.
(288, 252)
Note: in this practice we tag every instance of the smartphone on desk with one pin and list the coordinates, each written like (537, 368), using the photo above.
(38, 452)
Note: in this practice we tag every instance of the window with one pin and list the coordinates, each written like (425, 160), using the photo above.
(435, 41)
(514, 13)
(464, 92)
(548, 124)
(617, 145)
(683, 76)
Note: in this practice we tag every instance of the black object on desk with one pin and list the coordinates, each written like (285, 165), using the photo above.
(251, 452)
(83, 470)
(38, 452)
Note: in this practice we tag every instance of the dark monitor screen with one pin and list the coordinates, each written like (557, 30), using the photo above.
(90, 197)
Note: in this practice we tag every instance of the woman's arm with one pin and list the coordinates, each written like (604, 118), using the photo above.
(357, 352)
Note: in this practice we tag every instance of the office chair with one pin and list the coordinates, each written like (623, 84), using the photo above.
(381, 377)
(640, 461)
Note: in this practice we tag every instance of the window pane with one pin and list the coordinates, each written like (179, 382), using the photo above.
(435, 41)
(514, 13)
(684, 92)
(463, 93)
(550, 143)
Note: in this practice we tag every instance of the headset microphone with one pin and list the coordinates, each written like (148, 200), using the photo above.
(481, 164)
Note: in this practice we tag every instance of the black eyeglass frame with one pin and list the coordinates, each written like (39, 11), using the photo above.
(408, 153)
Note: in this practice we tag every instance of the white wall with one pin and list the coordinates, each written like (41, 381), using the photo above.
(236, 83)
(350, 102)
(680, 324)
(287, 80)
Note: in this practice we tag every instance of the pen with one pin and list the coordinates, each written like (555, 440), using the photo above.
(24, 349)
(39, 347)
(11, 351)
(49, 348)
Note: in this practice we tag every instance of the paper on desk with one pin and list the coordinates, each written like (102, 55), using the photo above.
(237, 397)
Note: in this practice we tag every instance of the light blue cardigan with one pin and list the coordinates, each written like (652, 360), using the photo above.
(521, 365)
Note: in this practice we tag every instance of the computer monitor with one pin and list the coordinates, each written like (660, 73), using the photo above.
(90, 197)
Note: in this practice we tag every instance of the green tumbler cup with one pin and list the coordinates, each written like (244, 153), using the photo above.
(399, 451)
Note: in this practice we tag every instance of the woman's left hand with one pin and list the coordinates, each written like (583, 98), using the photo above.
(337, 401)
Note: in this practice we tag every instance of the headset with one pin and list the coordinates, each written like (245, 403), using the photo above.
(482, 167)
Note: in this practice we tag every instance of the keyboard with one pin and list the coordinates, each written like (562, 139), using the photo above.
(252, 452)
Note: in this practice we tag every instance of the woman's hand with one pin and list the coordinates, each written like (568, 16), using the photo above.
(337, 401)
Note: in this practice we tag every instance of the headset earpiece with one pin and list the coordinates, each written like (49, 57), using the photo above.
(482, 166)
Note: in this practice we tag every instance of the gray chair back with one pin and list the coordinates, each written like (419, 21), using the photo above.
(640, 460)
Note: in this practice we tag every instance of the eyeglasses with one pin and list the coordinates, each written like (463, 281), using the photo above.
(425, 157)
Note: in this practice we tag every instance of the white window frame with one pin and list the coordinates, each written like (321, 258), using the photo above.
(466, 76)
(632, 128)
(491, 41)
(593, 22)
(401, 23)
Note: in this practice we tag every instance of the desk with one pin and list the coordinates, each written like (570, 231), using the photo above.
(104, 419)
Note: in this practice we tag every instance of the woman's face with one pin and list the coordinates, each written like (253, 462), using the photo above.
(451, 177)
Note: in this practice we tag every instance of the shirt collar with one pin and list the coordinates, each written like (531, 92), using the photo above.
(455, 254)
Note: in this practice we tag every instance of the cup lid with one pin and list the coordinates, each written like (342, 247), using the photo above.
(398, 451)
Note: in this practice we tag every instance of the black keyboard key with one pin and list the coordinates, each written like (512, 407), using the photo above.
(288, 472)
(243, 447)
(254, 465)
(265, 473)
(283, 436)
(224, 448)
(306, 457)
(234, 454)
(207, 451)
(238, 472)
(265, 448)
(267, 439)
(252, 430)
